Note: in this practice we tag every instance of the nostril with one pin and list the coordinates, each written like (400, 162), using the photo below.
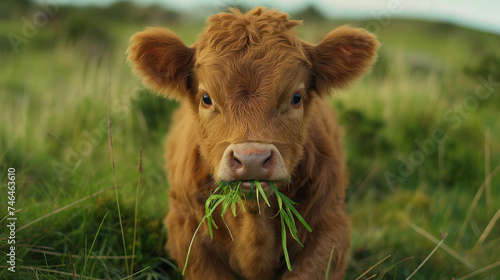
(268, 162)
(234, 162)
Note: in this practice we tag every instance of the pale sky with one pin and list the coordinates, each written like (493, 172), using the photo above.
(479, 14)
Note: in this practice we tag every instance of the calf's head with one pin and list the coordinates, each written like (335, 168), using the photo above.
(251, 85)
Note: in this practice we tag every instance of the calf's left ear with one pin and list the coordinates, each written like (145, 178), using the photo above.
(342, 56)
(163, 61)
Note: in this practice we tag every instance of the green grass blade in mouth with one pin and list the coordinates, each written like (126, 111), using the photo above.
(291, 226)
(304, 223)
(280, 201)
(210, 219)
(228, 194)
(225, 206)
(290, 221)
(287, 211)
(259, 187)
(241, 202)
(251, 194)
(191, 245)
(283, 244)
(257, 195)
(289, 204)
(280, 205)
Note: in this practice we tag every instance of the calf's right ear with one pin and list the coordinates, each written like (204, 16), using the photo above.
(162, 60)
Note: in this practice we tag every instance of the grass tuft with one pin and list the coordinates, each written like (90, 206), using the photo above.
(228, 194)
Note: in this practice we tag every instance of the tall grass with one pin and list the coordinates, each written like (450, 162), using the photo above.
(55, 135)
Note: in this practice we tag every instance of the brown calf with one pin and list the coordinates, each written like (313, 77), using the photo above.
(253, 108)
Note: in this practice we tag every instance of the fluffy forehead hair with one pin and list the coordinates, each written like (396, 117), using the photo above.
(236, 31)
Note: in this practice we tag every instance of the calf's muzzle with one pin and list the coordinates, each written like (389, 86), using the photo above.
(251, 161)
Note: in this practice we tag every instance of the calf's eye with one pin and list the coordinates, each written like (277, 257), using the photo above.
(207, 101)
(296, 99)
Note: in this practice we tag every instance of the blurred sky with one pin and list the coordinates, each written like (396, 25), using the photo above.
(478, 14)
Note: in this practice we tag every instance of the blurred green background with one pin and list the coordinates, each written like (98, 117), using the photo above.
(421, 134)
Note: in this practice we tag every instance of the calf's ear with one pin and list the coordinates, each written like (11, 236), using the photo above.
(162, 60)
(342, 56)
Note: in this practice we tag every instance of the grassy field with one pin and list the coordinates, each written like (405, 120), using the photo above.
(421, 134)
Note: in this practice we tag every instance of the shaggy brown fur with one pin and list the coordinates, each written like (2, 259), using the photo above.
(251, 65)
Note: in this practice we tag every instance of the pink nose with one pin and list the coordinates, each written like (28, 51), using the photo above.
(251, 163)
